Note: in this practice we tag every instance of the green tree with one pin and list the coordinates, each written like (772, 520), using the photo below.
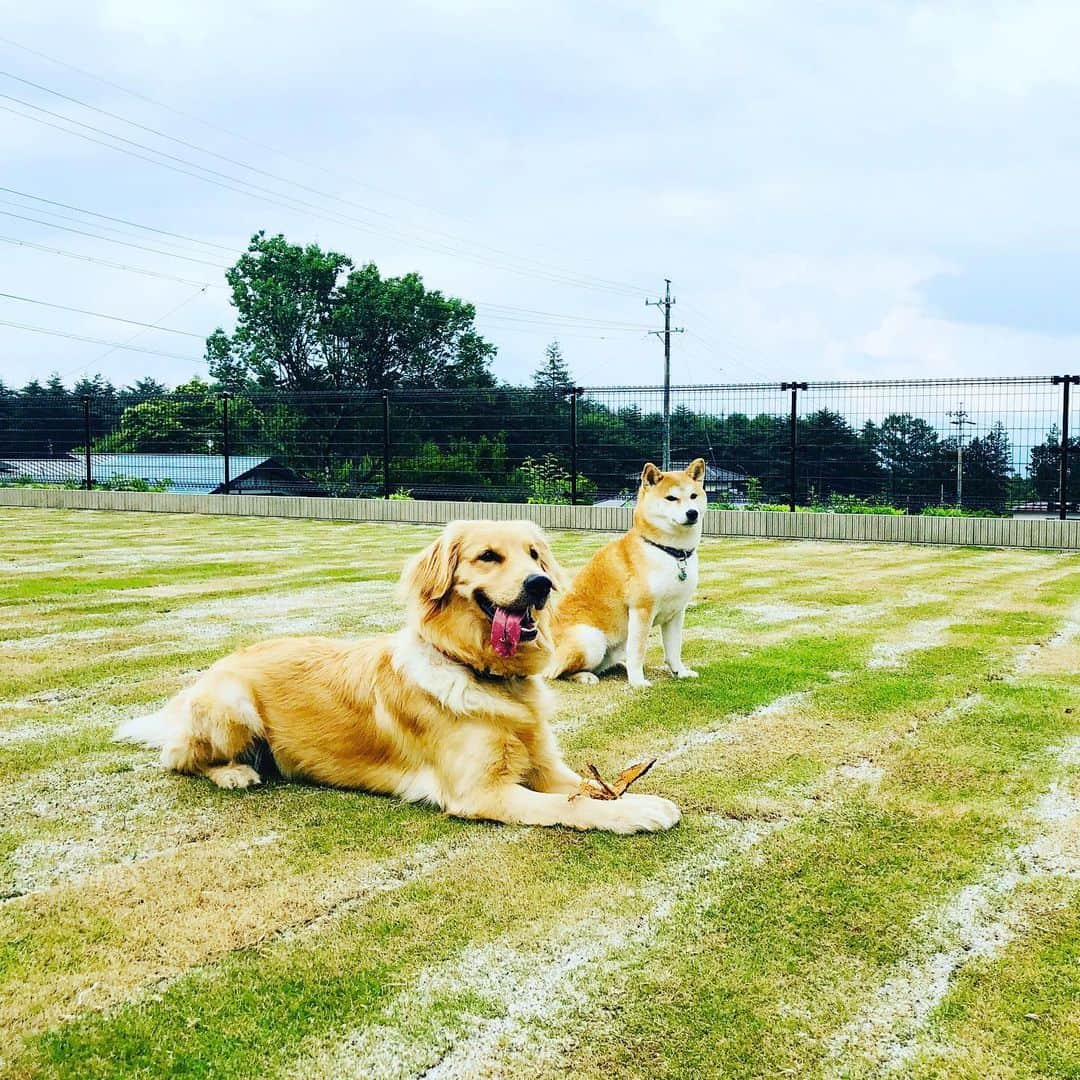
(309, 320)
(553, 375)
(1044, 467)
(186, 421)
(909, 452)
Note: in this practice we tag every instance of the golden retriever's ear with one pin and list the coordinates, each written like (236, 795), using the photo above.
(429, 577)
(696, 469)
(650, 475)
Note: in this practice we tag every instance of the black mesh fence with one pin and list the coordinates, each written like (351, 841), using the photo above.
(990, 445)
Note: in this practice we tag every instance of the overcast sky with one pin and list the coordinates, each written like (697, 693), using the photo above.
(836, 190)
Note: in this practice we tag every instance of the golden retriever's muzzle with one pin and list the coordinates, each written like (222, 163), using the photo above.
(513, 623)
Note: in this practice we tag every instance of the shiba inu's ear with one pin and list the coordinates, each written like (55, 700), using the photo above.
(696, 469)
(650, 475)
(430, 575)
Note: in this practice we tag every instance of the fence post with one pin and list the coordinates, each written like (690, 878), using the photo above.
(794, 387)
(1065, 381)
(88, 478)
(225, 438)
(575, 393)
(386, 443)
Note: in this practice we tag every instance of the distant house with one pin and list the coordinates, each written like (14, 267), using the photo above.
(724, 485)
(1044, 510)
(181, 474)
(721, 485)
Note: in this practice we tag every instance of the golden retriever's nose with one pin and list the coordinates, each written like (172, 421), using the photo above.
(537, 587)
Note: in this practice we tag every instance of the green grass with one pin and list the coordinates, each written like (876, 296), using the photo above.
(867, 746)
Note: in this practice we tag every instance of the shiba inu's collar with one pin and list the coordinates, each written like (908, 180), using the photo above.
(680, 555)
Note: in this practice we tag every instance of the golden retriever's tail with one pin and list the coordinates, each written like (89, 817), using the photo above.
(150, 730)
(207, 729)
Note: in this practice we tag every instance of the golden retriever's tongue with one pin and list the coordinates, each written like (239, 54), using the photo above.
(506, 631)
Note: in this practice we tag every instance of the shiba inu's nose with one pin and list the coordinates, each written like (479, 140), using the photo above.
(537, 587)
(691, 516)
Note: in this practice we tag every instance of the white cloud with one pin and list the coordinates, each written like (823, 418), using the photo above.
(799, 171)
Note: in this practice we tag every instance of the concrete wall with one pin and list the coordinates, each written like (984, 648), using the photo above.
(983, 532)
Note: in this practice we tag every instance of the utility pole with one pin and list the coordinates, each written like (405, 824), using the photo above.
(959, 418)
(666, 303)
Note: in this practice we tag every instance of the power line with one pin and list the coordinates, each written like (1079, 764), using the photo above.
(98, 341)
(119, 221)
(112, 239)
(269, 195)
(100, 315)
(729, 352)
(72, 219)
(553, 319)
(105, 262)
(631, 289)
(138, 333)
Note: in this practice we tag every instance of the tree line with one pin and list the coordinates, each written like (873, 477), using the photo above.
(317, 340)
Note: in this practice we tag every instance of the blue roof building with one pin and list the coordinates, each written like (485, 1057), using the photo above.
(182, 474)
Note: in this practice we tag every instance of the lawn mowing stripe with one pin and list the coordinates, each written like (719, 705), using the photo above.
(513, 1012)
(1014, 1014)
(517, 984)
(749, 981)
(183, 782)
(499, 967)
(975, 923)
(50, 754)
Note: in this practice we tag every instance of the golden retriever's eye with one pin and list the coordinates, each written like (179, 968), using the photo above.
(534, 553)
(490, 556)
(693, 494)
(671, 498)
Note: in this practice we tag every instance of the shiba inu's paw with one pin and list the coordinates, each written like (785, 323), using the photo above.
(586, 678)
(644, 813)
(233, 776)
(684, 673)
(640, 681)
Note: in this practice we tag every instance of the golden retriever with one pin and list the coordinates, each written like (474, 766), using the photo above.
(452, 710)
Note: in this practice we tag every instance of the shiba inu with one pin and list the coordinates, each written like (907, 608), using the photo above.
(452, 710)
(646, 577)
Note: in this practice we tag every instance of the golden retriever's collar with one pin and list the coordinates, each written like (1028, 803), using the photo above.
(480, 673)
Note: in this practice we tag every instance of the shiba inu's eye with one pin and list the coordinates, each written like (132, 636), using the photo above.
(534, 553)
(693, 494)
(490, 556)
(671, 498)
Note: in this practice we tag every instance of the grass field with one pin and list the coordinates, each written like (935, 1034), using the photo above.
(878, 869)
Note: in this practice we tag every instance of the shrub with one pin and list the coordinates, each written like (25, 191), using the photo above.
(546, 481)
(957, 511)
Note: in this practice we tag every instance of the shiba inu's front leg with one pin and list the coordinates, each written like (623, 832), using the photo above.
(637, 644)
(671, 632)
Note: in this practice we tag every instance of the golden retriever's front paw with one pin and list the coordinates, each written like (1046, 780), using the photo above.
(586, 678)
(233, 776)
(644, 813)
